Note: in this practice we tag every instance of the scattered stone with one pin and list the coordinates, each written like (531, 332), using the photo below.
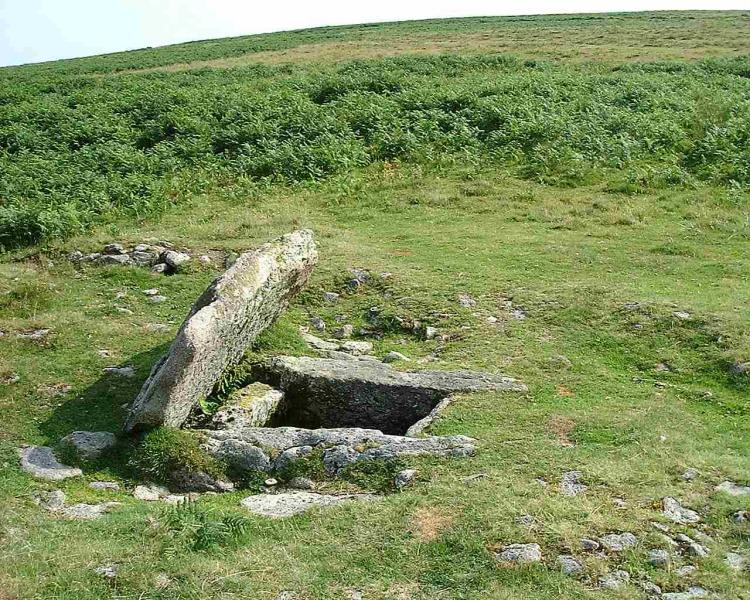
(686, 570)
(356, 348)
(733, 489)
(569, 565)
(430, 333)
(126, 371)
(466, 301)
(301, 483)
(740, 368)
(51, 501)
(287, 504)
(520, 553)
(692, 592)
(239, 454)
(674, 511)
(405, 478)
(174, 259)
(288, 457)
(658, 557)
(691, 546)
(614, 580)
(143, 259)
(541, 481)
(157, 299)
(123, 310)
(150, 493)
(251, 406)
(527, 520)
(160, 268)
(619, 503)
(649, 588)
(86, 512)
(475, 477)
(156, 327)
(114, 259)
(186, 480)
(318, 344)
(344, 332)
(318, 323)
(740, 516)
(107, 571)
(205, 259)
(618, 542)
(735, 561)
(151, 292)
(338, 458)
(589, 545)
(40, 462)
(690, 474)
(33, 334)
(682, 315)
(331, 297)
(394, 356)
(109, 486)
(570, 484)
(222, 324)
(88, 445)
(286, 595)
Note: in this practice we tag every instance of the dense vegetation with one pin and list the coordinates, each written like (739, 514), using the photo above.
(78, 149)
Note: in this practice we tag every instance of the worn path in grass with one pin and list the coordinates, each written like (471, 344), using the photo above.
(631, 396)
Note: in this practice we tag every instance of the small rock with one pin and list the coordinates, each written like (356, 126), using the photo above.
(318, 323)
(686, 570)
(394, 356)
(87, 512)
(143, 259)
(649, 588)
(174, 259)
(682, 315)
(739, 516)
(40, 462)
(114, 259)
(430, 333)
(466, 301)
(150, 493)
(160, 268)
(287, 504)
(51, 501)
(589, 545)
(691, 546)
(618, 542)
(271, 482)
(205, 259)
(113, 249)
(520, 553)
(658, 557)
(674, 511)
(619, 503)
(109, 486)
(89, 445)
(690, 474)
(735, 561)
(75, 256)
(404, 478)
(301, 483)
(286, 595)
(692, 592)
(157, 299)
(740, 368)
(107, 571)
(174, 499)
(151, 292)
(126, 371)
(331, 297)
(142, 248)
(733, 489)
(569, 565)
(123, 310)
(615, 580)
(156, 327)
(570, 484)
(356, 348)
(339, 457)
(343, 332)
(492, 320)
(318, 344)
(527, 520)
(33, 334)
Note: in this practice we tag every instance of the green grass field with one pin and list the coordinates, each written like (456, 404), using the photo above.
(592, 169)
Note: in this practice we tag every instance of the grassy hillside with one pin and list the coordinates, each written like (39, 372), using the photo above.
(591, 171)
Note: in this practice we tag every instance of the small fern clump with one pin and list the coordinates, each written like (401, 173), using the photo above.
(190, 527)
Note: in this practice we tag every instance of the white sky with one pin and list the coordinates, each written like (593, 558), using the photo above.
(38, 30)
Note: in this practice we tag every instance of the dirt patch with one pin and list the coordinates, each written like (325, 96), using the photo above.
(561, 427)
(428, 523)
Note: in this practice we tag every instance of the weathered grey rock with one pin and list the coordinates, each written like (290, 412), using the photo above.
(222, 324)
(88, 445)
(144, 259)
(126, 371)
(160, 268)
(40, 462)
(338, 458)
(589, 545)
(570, 484)
(686, 570)
(674, 511)
(520, 553)
(658, 557)
(692, 592)
(739, 516)
(618, 542)
(650, 588)
(279, 506)
(356, 348)
(86, 512)
(317, 343)
(101, 486)
(301, 483)
(527, 520)
(690, 474)
(420, 426)
(733, 489)
(735, 561)
(114, 249)
(331, 297)
(174, 259)
(394, 356)
(252, 406)
(430, 333)
(107, 571)
(692, 547)
(569, 565)
(404, 478)
(157, 299)
(343, 332)
(615, 580)
(198, 481)
(114, 259)
(318, 323)
(291, 455)
(51, 501)
(466, 301)
(239, 454)
(740, 368)
(150, 493)
(355, 393)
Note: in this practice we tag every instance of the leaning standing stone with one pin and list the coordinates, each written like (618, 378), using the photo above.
(222, 324)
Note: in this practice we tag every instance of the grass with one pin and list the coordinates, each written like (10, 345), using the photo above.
(574, 253)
